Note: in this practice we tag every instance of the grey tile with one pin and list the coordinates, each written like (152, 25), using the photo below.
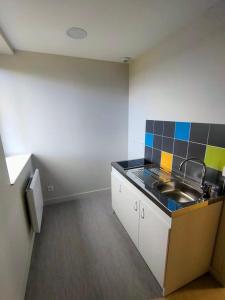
(149, 126)
(148, 153)
(156, 156)
(176, 164)
(180, 148)
(169, 128)
(217, 135)
(196, 150)
(214, 176)
(157, 142)
(199, 132)
(167, 144)
(194, 171)
(158, 127)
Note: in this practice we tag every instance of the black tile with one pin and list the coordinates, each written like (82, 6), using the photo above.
(199, 132)
(149, 126)
(217, 135)
(156, 156)
(180, 148)
(196, 150)
(158, 127)
(194, 171)
(167, 144)
(169, 128)
(157, 142)
(176, 164)
(148, 153)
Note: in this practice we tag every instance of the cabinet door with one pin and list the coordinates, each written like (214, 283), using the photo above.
(153, 240)
(116, 189)
(130, 215)
(126, 205)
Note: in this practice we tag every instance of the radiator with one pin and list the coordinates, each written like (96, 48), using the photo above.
(35, 201)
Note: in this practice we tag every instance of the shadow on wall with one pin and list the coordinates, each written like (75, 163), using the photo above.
(208, 26)
(62, 188)
(45, 174)
(71, 113)
(47, 66)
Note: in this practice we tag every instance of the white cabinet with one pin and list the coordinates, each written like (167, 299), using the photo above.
(126, 205)
(146, 224)
(116, 188)
(170, 246)
(153, 240)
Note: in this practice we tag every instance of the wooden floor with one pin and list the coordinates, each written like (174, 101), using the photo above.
(83, 253)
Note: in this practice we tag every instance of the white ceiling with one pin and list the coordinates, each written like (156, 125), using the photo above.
(116, 28)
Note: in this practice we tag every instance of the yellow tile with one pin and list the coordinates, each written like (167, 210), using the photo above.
(166, 161)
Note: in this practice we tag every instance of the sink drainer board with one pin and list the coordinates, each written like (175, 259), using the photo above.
(168, 186)
(142, 173)
(167, 143)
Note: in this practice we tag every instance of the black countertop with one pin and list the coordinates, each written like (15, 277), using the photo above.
(170, 206)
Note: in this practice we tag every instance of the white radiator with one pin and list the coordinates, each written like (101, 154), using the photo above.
(35, 201)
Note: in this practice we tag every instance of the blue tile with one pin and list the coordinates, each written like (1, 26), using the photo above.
(149, 137)
(173, 205)
(182, 131)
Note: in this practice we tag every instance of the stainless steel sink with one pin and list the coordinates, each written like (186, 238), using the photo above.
(180, 192)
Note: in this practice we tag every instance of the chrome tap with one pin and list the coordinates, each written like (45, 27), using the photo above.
(205, 187)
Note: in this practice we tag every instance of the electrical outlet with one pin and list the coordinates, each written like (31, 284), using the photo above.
(50, 188)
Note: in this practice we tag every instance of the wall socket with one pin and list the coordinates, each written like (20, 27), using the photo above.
(50, 188)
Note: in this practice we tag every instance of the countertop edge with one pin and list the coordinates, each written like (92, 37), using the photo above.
(171, 214)
(121, 171)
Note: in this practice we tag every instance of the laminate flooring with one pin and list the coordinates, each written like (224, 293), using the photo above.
(84, 253)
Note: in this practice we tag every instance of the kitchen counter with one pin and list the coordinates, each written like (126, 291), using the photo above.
(170, 206)
(161, 225)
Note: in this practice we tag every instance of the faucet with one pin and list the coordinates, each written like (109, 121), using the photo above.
(205, 187)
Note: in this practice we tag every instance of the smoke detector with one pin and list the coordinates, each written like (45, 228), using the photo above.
(126, 59)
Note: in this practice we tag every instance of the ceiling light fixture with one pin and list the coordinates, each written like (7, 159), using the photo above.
(76, 33)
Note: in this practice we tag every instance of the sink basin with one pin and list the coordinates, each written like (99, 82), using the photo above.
(180, 192)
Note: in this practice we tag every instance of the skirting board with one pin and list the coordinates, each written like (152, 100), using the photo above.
(84, 195)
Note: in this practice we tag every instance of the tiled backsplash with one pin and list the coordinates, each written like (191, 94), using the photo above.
(168, 143)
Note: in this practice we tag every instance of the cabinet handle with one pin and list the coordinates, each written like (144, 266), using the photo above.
(136, 206)
(143, 213)
(120, 188)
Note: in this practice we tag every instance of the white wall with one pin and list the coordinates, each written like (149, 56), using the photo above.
(71, 113)
(16, 235)
(182, 79)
